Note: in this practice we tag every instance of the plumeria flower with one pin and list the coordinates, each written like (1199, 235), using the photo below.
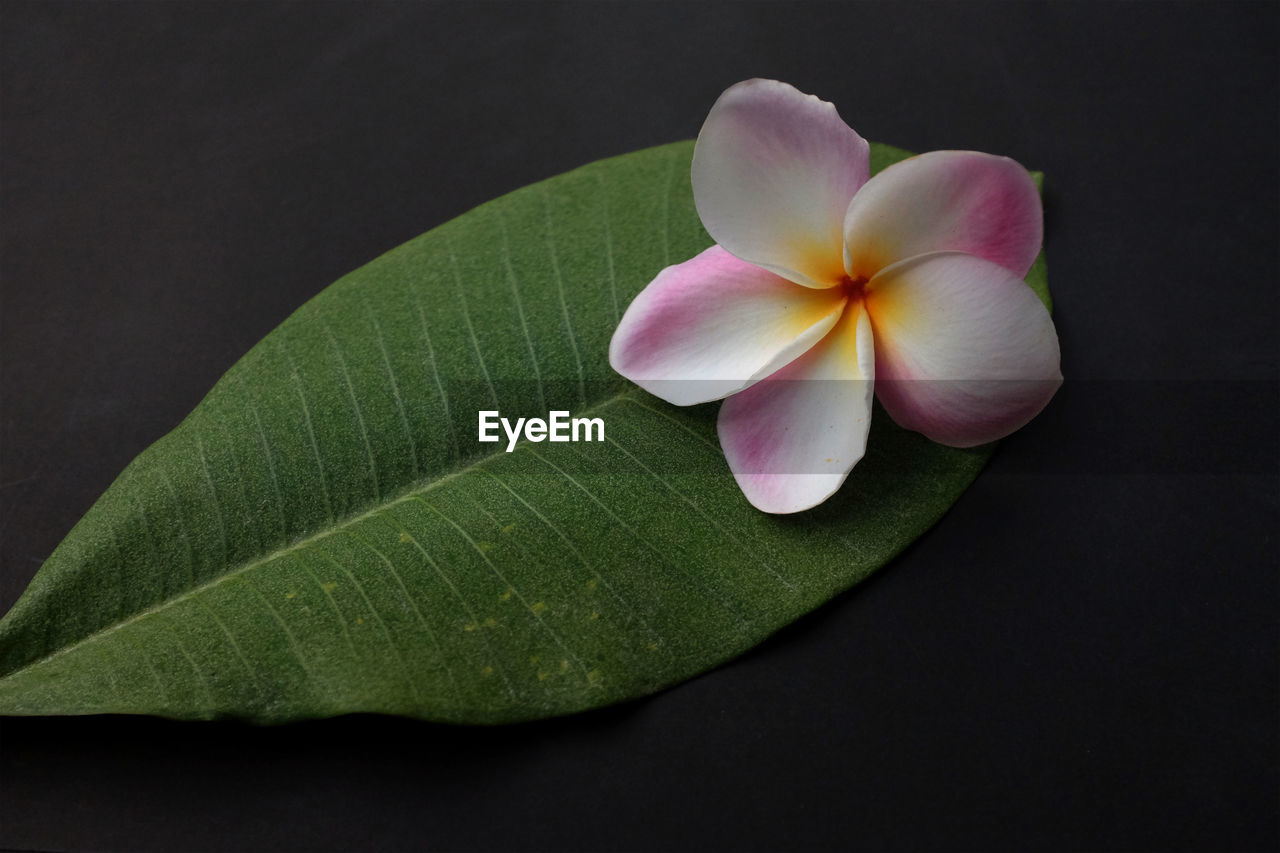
(825, 285)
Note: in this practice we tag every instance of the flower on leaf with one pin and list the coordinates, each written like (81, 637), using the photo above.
(826, 285)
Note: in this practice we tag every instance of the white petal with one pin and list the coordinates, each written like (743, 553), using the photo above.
(711, 326)
(965, 351)
(791, 439)
(773, 173)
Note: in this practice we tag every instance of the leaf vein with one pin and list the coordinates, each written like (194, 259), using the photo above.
(626, 606)
(409, 675)
(605, 219)
(725, 605)
(435, 372)
(456, 594)
(564, 305)
(727, 533)
(141, 652)
(239, 477)
(404, 590)
(493, 568)
(298, 387)
(524, 325)
(355, 405)
(471, 329)
(395, 386)
(205, 685)
(269, 451)
(235, 647)
(294, 645)
(665, 230)
(333, 604)
(181, 525)
(217, 504)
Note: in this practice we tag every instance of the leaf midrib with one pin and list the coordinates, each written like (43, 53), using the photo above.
(412, 491)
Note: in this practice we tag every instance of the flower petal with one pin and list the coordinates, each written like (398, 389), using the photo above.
(965, 351)
(792, 438)
(711, 326)
(960, 201)
(773, 173)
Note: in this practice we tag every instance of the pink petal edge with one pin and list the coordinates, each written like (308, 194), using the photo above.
(961, 201)
(965, 351)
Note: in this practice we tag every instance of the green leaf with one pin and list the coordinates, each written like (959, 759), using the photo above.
(324, 534)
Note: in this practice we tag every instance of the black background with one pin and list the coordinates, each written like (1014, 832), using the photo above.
(1081, 655)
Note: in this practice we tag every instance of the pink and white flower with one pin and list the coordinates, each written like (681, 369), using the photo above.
(826, 285)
